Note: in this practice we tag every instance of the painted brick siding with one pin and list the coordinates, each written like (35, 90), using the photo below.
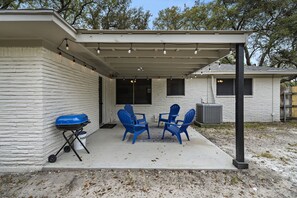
(258, 108)
(36, 86)
(68, 88)
(195, 89)
(109, 112)
(20, 108)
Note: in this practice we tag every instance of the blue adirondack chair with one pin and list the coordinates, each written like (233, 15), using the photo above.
(176, 129)
(129, 109)
(173, 113)
(130, 125)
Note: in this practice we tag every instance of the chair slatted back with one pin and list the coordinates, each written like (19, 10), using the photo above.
(174, 110)
(126, 119)
(129, 109)
(189, 117)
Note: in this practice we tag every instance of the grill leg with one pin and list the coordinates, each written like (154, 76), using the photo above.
(65, 144)
(69, 143)
(76, 137)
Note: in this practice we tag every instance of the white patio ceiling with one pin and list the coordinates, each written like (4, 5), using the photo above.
(47, 28)
(147, 50)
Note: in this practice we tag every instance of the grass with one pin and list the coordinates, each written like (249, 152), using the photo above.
(285, 160)
(234, 180)
(292, 144)
(266, 155)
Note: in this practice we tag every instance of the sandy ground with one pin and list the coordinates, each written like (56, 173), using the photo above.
(271, 150)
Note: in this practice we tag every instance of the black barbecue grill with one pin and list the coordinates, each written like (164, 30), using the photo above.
(75, 124)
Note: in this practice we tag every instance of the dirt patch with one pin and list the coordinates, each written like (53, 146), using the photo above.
(270, 150)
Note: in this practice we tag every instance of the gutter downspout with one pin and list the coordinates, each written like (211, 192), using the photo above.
(272, 105)
(212, 91)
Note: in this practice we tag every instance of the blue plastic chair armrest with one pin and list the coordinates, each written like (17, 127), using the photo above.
(177, 121)
(139, 114)
(163, 113)
(174, 115)
(139, 125)
(174, 124)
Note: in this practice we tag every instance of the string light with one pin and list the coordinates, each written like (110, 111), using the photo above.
(130, 49)
(67, 46)
(74, 59)
(164, 50)
(196, 49)
(98, 49)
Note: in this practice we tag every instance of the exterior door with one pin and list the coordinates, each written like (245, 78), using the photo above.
(100, 101)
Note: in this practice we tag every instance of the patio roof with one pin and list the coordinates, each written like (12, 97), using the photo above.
(229, 69)
(147, 46)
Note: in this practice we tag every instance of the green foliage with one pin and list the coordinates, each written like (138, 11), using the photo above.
(93, 14)
(111, 14)
(274, 22)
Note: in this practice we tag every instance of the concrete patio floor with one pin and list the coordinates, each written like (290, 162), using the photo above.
(108, 151)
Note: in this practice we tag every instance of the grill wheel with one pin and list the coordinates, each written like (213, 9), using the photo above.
(52, 158)
(67, 149)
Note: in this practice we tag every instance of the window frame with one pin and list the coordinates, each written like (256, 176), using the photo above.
(133, 92)
(233, 95)
(175, 95)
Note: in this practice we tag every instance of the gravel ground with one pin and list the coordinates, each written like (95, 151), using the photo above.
(271, 150)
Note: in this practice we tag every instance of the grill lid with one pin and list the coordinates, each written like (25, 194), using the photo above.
(72, 119)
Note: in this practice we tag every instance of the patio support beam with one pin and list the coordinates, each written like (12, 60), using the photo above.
(239, 108)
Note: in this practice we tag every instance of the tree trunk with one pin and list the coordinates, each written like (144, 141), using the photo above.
(247, 56)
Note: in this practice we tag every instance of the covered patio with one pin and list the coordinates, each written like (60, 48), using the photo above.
(67, 58)
(108, 151)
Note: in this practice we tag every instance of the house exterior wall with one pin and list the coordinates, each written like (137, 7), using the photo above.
(263, 106)
(109, 97)
(36, 86)
(21, 106)
(68, 88)
(195, 90)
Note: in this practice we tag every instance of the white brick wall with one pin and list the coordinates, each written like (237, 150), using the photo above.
(36, 86)
(68, 88)
(20, 108)
(108, 100)
(258, 108)
(195, 89)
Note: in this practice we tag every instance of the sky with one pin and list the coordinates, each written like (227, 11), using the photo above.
(154, 6)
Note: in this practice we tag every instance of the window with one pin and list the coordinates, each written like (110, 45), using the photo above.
(226, 87)
(132, 91)
(175, 87)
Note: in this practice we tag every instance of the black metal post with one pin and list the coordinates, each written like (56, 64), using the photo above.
(239, 108)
